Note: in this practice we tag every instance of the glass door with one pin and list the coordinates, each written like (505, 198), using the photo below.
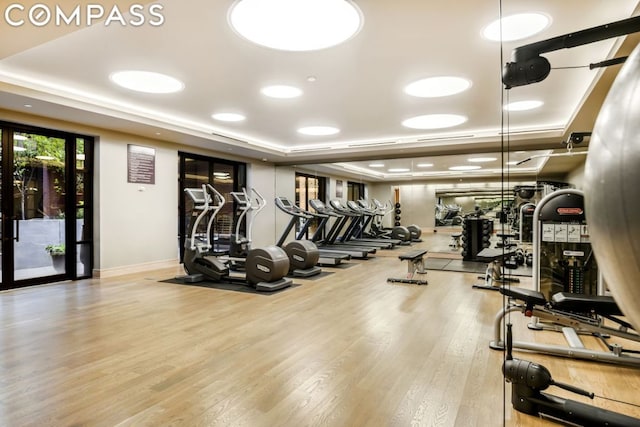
(39, 209)
(45, 195)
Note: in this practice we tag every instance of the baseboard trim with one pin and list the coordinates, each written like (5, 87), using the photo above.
(102, 273)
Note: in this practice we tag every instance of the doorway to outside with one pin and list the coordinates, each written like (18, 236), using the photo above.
(309, 187)
(46, 205)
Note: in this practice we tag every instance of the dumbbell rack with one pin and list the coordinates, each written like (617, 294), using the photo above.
(476, 235)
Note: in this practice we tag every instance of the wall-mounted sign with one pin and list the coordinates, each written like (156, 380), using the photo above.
(141, 164)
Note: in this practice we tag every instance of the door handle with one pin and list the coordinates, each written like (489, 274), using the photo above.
(17, 237)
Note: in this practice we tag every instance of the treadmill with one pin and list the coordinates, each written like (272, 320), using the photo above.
(327, 257)
(368, 215)
(353, 220)
(324, 213)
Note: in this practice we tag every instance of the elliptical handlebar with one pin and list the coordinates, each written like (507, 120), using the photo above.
(210, 201)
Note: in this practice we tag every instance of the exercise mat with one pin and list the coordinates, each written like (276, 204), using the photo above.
(236, 287)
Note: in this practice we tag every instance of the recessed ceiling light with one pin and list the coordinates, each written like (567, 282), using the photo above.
(464, 168)
(146, 81)
(398, 170)
(376, 165)
(516, 27)
(318, 130)
(523, 105)
(295, 25)
(281, 91)
(512, 163)
(312, 79)
(228, 117)
(434, 121)
(425, 165)
(482, 159)
(28, 105)
(434, 87)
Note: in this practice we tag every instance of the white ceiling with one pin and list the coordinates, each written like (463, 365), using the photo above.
(358, 87)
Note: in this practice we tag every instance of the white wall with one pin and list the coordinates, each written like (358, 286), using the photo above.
(262, 177)
(135, 223)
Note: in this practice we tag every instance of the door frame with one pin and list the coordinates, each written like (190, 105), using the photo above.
(7, 205)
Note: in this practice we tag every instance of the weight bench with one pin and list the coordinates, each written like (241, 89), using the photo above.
(505, 240)
(455, 241)
(493, 276)
(415, 264)
(573, 315)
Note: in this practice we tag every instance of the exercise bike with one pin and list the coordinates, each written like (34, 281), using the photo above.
(264, 268)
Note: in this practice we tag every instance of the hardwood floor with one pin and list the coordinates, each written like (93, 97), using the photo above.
(347, 349)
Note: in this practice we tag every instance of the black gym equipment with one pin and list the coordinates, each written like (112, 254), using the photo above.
(265, 268)
(528, 380)
(563, 259)
(398, 231)
(325, 213)
(352, 220)
(303, 254)
(415, 265)
(611, 173)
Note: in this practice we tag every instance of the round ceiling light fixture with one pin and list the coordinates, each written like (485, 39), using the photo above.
(281, 91)
(296, 25)
(228, 117)
(318, 130)
(516, 27)
(434, 121)
(146, 81)
(435, 87)
(523, 105)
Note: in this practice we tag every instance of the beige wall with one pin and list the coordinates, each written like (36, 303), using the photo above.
(576, 177)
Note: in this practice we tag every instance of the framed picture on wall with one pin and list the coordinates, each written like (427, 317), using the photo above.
(338, 188)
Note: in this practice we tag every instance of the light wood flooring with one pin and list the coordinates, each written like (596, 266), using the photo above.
(347, 349)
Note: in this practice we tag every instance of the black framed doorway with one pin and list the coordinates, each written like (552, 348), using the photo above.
(46, 205)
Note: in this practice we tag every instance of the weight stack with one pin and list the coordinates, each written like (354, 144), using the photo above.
(476, 235)
(397, 217)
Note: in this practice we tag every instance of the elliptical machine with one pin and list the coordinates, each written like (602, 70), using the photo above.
(265, 268)
(303, 254)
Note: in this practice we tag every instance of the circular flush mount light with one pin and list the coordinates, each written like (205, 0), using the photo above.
(318, 130)
(523, 105)
(516, 27)
(228, 117)
(295, 25)
(434, 121)
(281, 91)
(146, 81)
(464, 168)
(435, 87)
(482, 159)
